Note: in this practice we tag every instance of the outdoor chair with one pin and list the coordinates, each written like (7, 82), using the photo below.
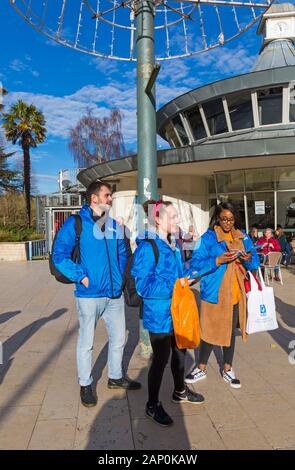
(270, 263)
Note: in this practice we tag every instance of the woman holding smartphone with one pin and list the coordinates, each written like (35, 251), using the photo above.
(155, 277)
(223, 255)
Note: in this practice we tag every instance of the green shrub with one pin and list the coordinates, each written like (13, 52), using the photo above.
(18, 234)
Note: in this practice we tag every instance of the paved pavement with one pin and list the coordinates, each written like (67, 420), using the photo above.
(39, 396)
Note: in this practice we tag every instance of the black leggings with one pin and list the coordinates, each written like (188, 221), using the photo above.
(228, 352)
(162, 343)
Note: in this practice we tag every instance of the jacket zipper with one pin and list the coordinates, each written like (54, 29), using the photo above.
(110, 268)
(177, 263)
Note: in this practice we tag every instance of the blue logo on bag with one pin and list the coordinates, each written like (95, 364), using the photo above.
(263, 310)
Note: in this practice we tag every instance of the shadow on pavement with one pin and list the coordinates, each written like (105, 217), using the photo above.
(16, 341)
(121, 424)
(4, 317)
(283, 335)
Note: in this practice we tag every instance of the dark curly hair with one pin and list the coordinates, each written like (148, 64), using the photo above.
(225, 206)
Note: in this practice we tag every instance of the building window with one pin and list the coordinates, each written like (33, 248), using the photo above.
(215, 116)
(264, 217)
(240, 110)
(196, 124)
(286, 209)
(285, 177)
(171, 135)
(180, 130)
(270, 106)
(211, 185)
(260, 180)
(230, 182)
(292, 103)
(212, 204)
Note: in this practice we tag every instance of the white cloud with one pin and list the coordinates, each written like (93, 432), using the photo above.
(36, 154)
(62, 113)
(225, 61)
(185, 74)
(114, 95)
(174, 71)
(175, 78)
(106, 66)
(51, 42)
(45, 177)
(19, 66)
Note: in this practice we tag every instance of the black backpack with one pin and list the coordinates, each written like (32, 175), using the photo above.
(131, 296)
(75, 257)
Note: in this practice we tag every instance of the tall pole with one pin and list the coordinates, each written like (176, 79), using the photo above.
(146, 122)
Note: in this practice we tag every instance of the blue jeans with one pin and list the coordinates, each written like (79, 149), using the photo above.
(286, 259)
(112, 311)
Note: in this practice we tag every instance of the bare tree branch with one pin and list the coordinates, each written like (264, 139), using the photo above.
(94, 140)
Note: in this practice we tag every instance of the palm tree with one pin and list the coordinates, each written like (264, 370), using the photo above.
(25, 124)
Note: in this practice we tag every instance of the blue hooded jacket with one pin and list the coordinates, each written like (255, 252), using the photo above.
(103, 256)
(203, 263)
(155, 282)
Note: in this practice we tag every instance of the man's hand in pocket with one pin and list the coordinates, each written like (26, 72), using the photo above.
(85, 281)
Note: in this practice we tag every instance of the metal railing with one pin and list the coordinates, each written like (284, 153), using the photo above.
(55, 217)
(37, 249)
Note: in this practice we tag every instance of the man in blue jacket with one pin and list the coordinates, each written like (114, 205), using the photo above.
(98, 281)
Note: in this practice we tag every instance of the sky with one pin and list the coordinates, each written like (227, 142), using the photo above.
(63, 83)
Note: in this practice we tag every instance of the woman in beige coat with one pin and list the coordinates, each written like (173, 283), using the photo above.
(222, 257)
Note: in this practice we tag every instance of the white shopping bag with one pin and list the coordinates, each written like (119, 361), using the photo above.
(260, 307)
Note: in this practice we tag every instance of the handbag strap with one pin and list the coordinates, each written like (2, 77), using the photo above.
(240, 268)
(261, 278)
(253, 282)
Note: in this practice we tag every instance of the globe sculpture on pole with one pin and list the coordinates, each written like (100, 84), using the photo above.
(107, 28)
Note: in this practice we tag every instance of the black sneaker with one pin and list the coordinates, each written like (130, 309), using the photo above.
(88, 398)
(124, 383)
(188, 396)
(230, 378)
(195, 375)
(158, 414)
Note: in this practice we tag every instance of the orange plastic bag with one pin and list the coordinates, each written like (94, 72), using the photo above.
(185, 316)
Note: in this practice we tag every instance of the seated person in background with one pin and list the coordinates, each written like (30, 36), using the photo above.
(253, 234)
(285, 246)
(189, 240)
(267, 244)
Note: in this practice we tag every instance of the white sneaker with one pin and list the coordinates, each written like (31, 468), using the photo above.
(230, 377)
(195, 375)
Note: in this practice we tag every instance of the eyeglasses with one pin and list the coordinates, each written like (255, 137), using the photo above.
(225, 219)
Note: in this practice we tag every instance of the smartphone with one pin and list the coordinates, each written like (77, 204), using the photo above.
(247, 252)
(235, 251)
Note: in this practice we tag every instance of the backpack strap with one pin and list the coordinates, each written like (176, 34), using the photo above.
(78, 229)
(154, 247)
